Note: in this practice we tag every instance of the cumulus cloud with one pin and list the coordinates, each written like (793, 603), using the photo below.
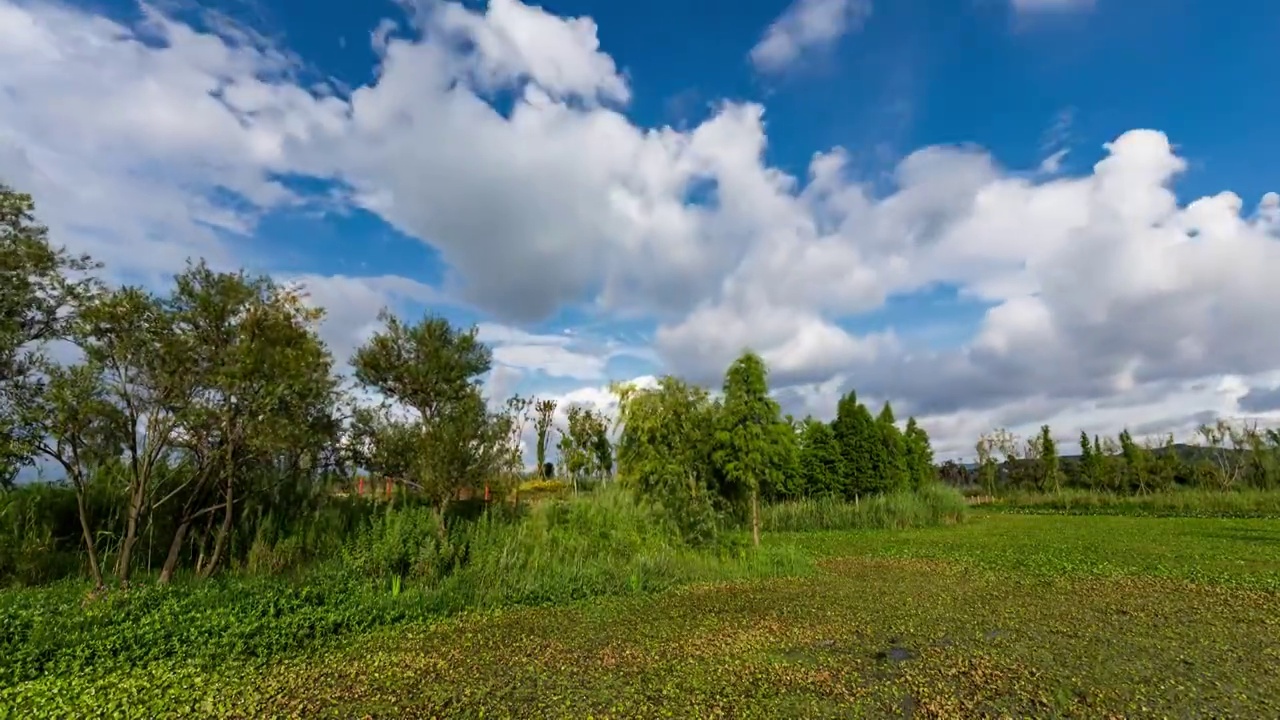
(807, 25)
(500, 137)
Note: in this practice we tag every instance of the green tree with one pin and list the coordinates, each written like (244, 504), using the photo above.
(1136, 463)
(784, 481)
(1048, 453)
(584, 448)
(861, 447)
(78, 428)
(262, 382)
(919, 452)
(1090, 472)
(895, 473)
(434, 370)
(665, 450)
(821, 464)
(41, 286)
(130, 336)
(746, 449)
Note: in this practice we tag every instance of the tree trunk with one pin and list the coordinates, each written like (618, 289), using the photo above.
(202, 544)
(124, 560)
(755, 517)
(224, 532)
(175, 552)
(95, 570)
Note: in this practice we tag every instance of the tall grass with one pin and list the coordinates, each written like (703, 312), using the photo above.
(401, 568)
(931, 505)
(1168, 503)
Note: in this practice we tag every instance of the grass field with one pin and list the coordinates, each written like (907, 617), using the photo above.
(1005, 615)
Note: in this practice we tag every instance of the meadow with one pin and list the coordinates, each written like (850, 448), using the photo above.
(998, 615)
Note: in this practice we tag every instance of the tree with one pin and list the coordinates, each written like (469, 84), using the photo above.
(861, 447)
(41, 286)
(434, 369)
(262, 381)
(1137, 461)
(543, 424)
(129, 336)
(581, 451)
(78, 428)
(518, 411)
(919, 456)
(821, 464)
(1090, 462)
(1048, 452)
(784, 443)
(746, 452)
(895, 472)
(665, 450)
(989, 447)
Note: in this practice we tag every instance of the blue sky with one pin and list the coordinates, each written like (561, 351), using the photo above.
(901, 197)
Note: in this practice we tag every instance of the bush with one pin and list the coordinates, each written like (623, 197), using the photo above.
(930, 505)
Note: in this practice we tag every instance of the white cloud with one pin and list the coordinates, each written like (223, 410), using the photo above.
(804, 26)
(515, 41)
(1110, 302)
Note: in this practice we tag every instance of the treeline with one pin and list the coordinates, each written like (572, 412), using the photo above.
(720, 456)
(206, 427)
(1224, 456)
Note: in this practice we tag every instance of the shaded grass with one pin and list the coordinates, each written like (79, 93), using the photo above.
(930, 506)
(1169, 503)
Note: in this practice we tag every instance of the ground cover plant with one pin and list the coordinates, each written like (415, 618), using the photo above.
(1042, 616)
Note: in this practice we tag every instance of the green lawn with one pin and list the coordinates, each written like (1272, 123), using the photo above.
(1006, 615)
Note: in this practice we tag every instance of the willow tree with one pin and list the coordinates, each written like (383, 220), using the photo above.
(664, 450)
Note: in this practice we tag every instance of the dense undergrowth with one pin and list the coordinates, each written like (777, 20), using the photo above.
(402, 568)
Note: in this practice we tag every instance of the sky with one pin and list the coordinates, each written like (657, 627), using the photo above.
(991, 213)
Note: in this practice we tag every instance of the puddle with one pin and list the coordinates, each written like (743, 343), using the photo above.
(895, 653)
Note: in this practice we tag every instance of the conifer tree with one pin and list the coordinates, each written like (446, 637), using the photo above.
(860, 447)
(1088, 465)
(747, 447)
(896, 473)
(821, 464)
(919, 456)
(1049, 460)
